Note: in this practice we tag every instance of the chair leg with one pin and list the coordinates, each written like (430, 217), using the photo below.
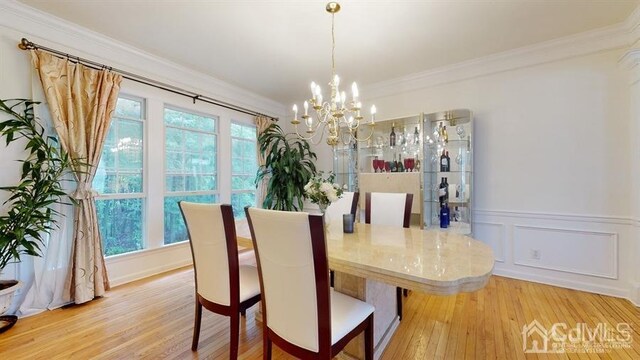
(399, 301)
(196, 325)
(331, 277)
(405, 292)
(266, 347)
(368, 339)
(235, 336)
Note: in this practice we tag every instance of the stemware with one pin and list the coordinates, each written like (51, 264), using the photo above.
(460, 131)
(375, 165)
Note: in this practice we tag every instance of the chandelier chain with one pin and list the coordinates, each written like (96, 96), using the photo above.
(333, 46)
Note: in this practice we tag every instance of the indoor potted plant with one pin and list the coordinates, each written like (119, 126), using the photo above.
(26, 216)
(288, 167)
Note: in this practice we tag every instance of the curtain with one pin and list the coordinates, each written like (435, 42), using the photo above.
(262, 123)
(81, 102)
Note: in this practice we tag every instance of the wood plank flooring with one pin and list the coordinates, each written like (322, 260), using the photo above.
(153, 319)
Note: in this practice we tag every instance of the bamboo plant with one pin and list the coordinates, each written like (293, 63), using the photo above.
(29, 214)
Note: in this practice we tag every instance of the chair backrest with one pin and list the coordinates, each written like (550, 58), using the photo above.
(212, 236)
(392, 209)
(347, 204)
(294, 275)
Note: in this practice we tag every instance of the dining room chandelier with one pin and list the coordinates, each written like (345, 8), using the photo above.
(338, 117)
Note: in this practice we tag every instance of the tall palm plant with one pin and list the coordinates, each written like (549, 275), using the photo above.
(289, 165)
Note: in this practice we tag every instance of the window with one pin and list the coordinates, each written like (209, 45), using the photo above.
(119, 180)
(243, 167)
(190, 166)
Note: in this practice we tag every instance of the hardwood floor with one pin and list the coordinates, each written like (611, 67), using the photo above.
(153, 318)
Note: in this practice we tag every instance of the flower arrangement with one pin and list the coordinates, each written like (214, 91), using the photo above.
(323, 191)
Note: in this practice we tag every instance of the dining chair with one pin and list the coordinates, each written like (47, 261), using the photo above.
(393, 209)
(347, 204)
(302, 315)
(222, 285)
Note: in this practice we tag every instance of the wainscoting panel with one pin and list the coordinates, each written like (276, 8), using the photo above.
(592, 253)
(493, 235)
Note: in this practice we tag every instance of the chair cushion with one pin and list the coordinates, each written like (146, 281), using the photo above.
(249, 282)
(346, 314)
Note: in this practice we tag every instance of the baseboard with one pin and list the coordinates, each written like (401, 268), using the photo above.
(634, 295)
(148, 272)
(565, 283)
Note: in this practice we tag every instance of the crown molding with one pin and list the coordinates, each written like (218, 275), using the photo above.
(616, 36)
(55, 32)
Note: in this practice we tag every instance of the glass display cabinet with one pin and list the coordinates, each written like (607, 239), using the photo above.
(390, 161)
(345, 166)
(448, 169)
(428, 155)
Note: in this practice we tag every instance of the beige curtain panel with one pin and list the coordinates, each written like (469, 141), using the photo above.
(81, 101)
(262, 123)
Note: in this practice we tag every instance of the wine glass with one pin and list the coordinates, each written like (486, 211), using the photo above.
(406, 164)
(460, 131)
(375, 165)
(412, 164)
(387, 166)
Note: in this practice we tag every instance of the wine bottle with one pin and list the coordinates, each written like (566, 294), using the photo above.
(442, 191)
(448, 162)
(416, 136)
(403, 136)
(392, 136)
(446, 190)
(444, 162)
(444, 216)
(400, 164)
(445, 136)
(394, 165)
(417, 166)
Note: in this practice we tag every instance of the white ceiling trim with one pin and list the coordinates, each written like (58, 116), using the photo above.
(51, 31)
(616, 36)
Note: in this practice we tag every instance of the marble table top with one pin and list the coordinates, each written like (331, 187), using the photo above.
(431, 261)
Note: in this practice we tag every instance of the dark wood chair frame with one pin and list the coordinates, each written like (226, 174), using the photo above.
(235, 307)
(326, 351)
(354, 208)
(405, 223)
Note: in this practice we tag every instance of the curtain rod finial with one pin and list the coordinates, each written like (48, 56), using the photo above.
(26, 44)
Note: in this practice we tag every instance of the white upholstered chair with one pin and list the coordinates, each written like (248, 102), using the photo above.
(392, 209)
(347, 204)
(301, 314)
(222, 285)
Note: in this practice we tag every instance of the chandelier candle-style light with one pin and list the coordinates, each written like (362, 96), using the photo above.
(339, 116)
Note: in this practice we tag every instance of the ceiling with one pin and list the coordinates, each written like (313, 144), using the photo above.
(276, 48)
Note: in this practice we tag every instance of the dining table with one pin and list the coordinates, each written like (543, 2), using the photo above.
(374, 261)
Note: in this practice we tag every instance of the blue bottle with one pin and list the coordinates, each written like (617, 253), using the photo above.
(444, 216)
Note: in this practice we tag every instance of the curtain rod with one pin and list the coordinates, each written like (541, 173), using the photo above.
(28, 45)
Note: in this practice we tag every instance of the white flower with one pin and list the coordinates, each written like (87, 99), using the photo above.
(324, 187)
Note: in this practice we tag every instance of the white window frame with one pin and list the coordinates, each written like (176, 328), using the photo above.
(231, 174)
(144, 119)
(216, 133)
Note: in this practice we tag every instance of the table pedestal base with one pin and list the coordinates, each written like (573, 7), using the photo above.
(385, 318)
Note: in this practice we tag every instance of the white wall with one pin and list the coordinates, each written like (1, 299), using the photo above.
(552, 166)
(17, 21)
